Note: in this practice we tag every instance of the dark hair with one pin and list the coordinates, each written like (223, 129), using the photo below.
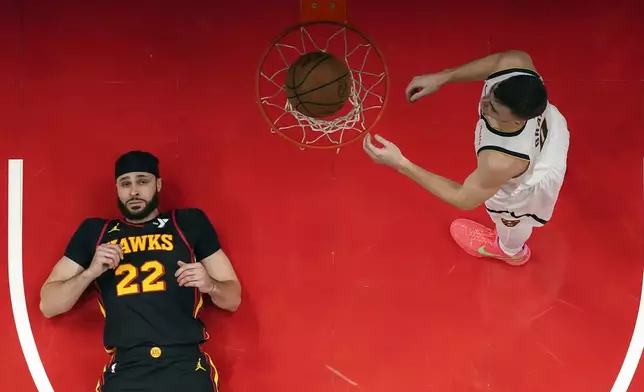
(524, 95)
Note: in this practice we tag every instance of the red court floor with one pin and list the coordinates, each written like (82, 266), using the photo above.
(351, 279)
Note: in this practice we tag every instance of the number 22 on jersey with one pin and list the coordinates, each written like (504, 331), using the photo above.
(153, 269)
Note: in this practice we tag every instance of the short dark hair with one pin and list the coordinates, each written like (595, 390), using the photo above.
(524, 95)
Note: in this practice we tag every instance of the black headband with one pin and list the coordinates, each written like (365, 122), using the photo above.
(136, 161)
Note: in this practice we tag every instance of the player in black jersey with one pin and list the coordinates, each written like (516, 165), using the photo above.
(150, 270)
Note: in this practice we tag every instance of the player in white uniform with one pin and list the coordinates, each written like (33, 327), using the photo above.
(521, 142)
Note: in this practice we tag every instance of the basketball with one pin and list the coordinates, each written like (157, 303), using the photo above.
(318, 84)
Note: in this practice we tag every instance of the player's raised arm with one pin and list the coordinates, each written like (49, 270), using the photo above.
(492, 172)
(476, 70)
(481, 68)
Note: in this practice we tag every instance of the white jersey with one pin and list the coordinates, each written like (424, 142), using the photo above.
(543, 142)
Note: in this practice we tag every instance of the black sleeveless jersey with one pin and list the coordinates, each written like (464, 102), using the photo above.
(141, 300)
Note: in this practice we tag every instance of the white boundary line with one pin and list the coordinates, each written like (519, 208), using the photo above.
(28, 344)
(16, 283)
(634, 353)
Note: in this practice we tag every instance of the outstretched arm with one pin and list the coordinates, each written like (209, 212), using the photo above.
(476, 70)
(481, 68)
(492, 172)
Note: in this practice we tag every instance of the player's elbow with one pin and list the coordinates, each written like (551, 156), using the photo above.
(235, 301)
(516, 54)
(48, 306)
(46, 313)
(515, 59)
(231, 305)
(47, 310)
(468, 198)
(234, 305)
(232, 299)
(466, 205)
(44, 307)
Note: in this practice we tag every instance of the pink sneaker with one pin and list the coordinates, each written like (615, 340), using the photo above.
(480, 241)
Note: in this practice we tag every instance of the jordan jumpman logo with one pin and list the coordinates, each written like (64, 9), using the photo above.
(199, 366)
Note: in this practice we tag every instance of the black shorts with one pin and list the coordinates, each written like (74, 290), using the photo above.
(159, 369)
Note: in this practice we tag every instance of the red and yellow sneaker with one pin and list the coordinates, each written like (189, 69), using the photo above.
(480, 241)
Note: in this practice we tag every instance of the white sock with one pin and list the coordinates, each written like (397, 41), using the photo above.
(512, 239)
(508, 251)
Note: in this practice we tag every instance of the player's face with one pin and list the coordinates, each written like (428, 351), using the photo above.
(138, 194)
(494, 109)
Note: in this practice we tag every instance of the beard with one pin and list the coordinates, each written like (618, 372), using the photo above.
(143, 212)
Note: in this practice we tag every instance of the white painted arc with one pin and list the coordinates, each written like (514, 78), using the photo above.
(16, 282)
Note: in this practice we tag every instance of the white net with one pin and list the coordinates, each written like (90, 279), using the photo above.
(368, 85)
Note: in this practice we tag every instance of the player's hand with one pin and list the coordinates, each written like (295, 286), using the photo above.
(107, 256)
(194, 275)
(388, 155)
(423, 85)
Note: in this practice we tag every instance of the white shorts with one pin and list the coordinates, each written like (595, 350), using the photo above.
(534, 201)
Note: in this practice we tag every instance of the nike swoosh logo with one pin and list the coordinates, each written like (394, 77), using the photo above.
(483, 252)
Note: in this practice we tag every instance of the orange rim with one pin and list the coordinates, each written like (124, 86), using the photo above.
(304, 24)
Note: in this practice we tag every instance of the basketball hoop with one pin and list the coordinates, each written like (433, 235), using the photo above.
(323, 28)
